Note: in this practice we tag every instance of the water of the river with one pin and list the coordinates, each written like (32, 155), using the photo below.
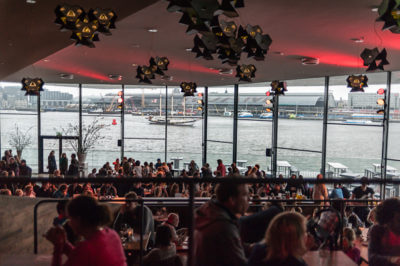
(357, 147)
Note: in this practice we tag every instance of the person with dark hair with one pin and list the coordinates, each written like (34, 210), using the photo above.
(62, 191)
(63, 164)
(164, 247)
(130, 213)
(384, 245)
(101, 245)
(24, 170)
(51, 163)
(216, 236)
(73, 169)
(362, 192)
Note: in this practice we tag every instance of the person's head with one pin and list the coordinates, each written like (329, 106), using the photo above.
(85, 213)
(19, 193)
(219, 161)
(61, 207)
(64, 155)
(52, 153)
(137, 163)
(348, 238)
(163, 236)
(388, 214)
(158, 160)
(131, 196)
(94, 170)
(293, 176)
(372, 216)
(57, 173)
(348, 210)
(364, 182)
(173, 219)
(286, 236)
(73, 156)
(320, 176)
(233, 196)
(63, 188)
(23, 162)
(28, 189)
(5, 192)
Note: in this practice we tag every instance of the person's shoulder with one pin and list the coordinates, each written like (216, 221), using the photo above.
(377, 231)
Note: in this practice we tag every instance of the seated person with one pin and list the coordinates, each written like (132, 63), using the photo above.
(101, 245)
(129, 213)
(164, 247)
(108, 190)
(384, 246)
(62, 220)
(173, 221)
(285, 240)
(348, 245)
(351, 218)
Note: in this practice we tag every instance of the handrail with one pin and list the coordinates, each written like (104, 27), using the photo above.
(128, 180)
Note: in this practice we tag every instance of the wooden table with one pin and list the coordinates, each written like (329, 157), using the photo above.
(363, 247)
(27, 259)
(135, 244)
(333, 258)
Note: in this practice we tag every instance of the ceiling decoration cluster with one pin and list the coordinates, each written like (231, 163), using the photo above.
(245, 72)
(85, 25)
(218, 36)
(357, 83)
(278, 87)
(389, 12)
(32, 86)
(157, 66)
(188, 88)
(374, 59)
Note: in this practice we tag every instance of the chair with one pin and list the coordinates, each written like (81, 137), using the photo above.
(172, 261)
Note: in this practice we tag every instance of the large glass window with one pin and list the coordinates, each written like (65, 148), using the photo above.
(354, 143)
(393, 154)
(220, 125)
(254, 126)
(100, 104)
(185, 126)
(300, 128)
(144, 130)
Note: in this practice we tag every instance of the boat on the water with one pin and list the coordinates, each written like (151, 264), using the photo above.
(266, 116)
(245, 114)
(172, 121)
(227, 113)
(358, 122)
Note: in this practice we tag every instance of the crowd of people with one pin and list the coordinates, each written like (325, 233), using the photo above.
(228, 231)
(225, 232)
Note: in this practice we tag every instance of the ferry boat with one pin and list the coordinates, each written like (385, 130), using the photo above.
(172, 121)
(245, 114)
(358, 122)
(266, 116)
(227, 113)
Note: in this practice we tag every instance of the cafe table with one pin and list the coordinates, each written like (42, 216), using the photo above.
(328, 258)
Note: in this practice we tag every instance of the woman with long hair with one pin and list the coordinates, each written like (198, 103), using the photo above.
(101, 245)
(285, 239)
(384, 245)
